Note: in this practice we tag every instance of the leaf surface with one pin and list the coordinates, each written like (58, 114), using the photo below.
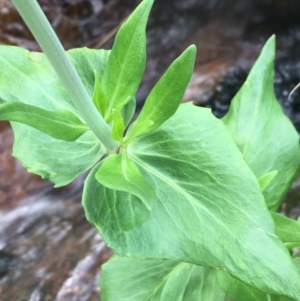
(265, 136)
(27, 77)
(204, 189)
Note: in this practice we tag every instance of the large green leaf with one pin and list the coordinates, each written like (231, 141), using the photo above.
(127, 60)
(29, 78)
(130, 279)
(264, 135)
(59, 124)
(208, 209)
(165, 97)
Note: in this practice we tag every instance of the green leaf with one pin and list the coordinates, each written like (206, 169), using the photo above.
(118, 126)
(165, 97)
(28, 77)
(238, 290)
(266, 179)
(99, 98)
(127, 60)
(60, 124)
(265, 136)
(287, 229)
(151, 280)
(208, 210)
(120, 173)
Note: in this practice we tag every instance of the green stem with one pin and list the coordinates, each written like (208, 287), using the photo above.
(38, 24)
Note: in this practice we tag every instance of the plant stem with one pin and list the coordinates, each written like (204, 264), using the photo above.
(40, 27)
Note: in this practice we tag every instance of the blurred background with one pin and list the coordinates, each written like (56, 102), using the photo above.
(48, 251)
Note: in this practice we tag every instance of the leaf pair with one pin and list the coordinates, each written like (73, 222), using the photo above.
(120, 81)
(123, 74)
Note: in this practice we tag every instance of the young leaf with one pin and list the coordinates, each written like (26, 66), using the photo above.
(164, 280)
(118, 126)
(99, 98)
(28, 77)
(165, 97)
(204, 189)
(120, 173)
(287, 229)
(127, 60)
(266, 179)
(265, 136)
(59, 124)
